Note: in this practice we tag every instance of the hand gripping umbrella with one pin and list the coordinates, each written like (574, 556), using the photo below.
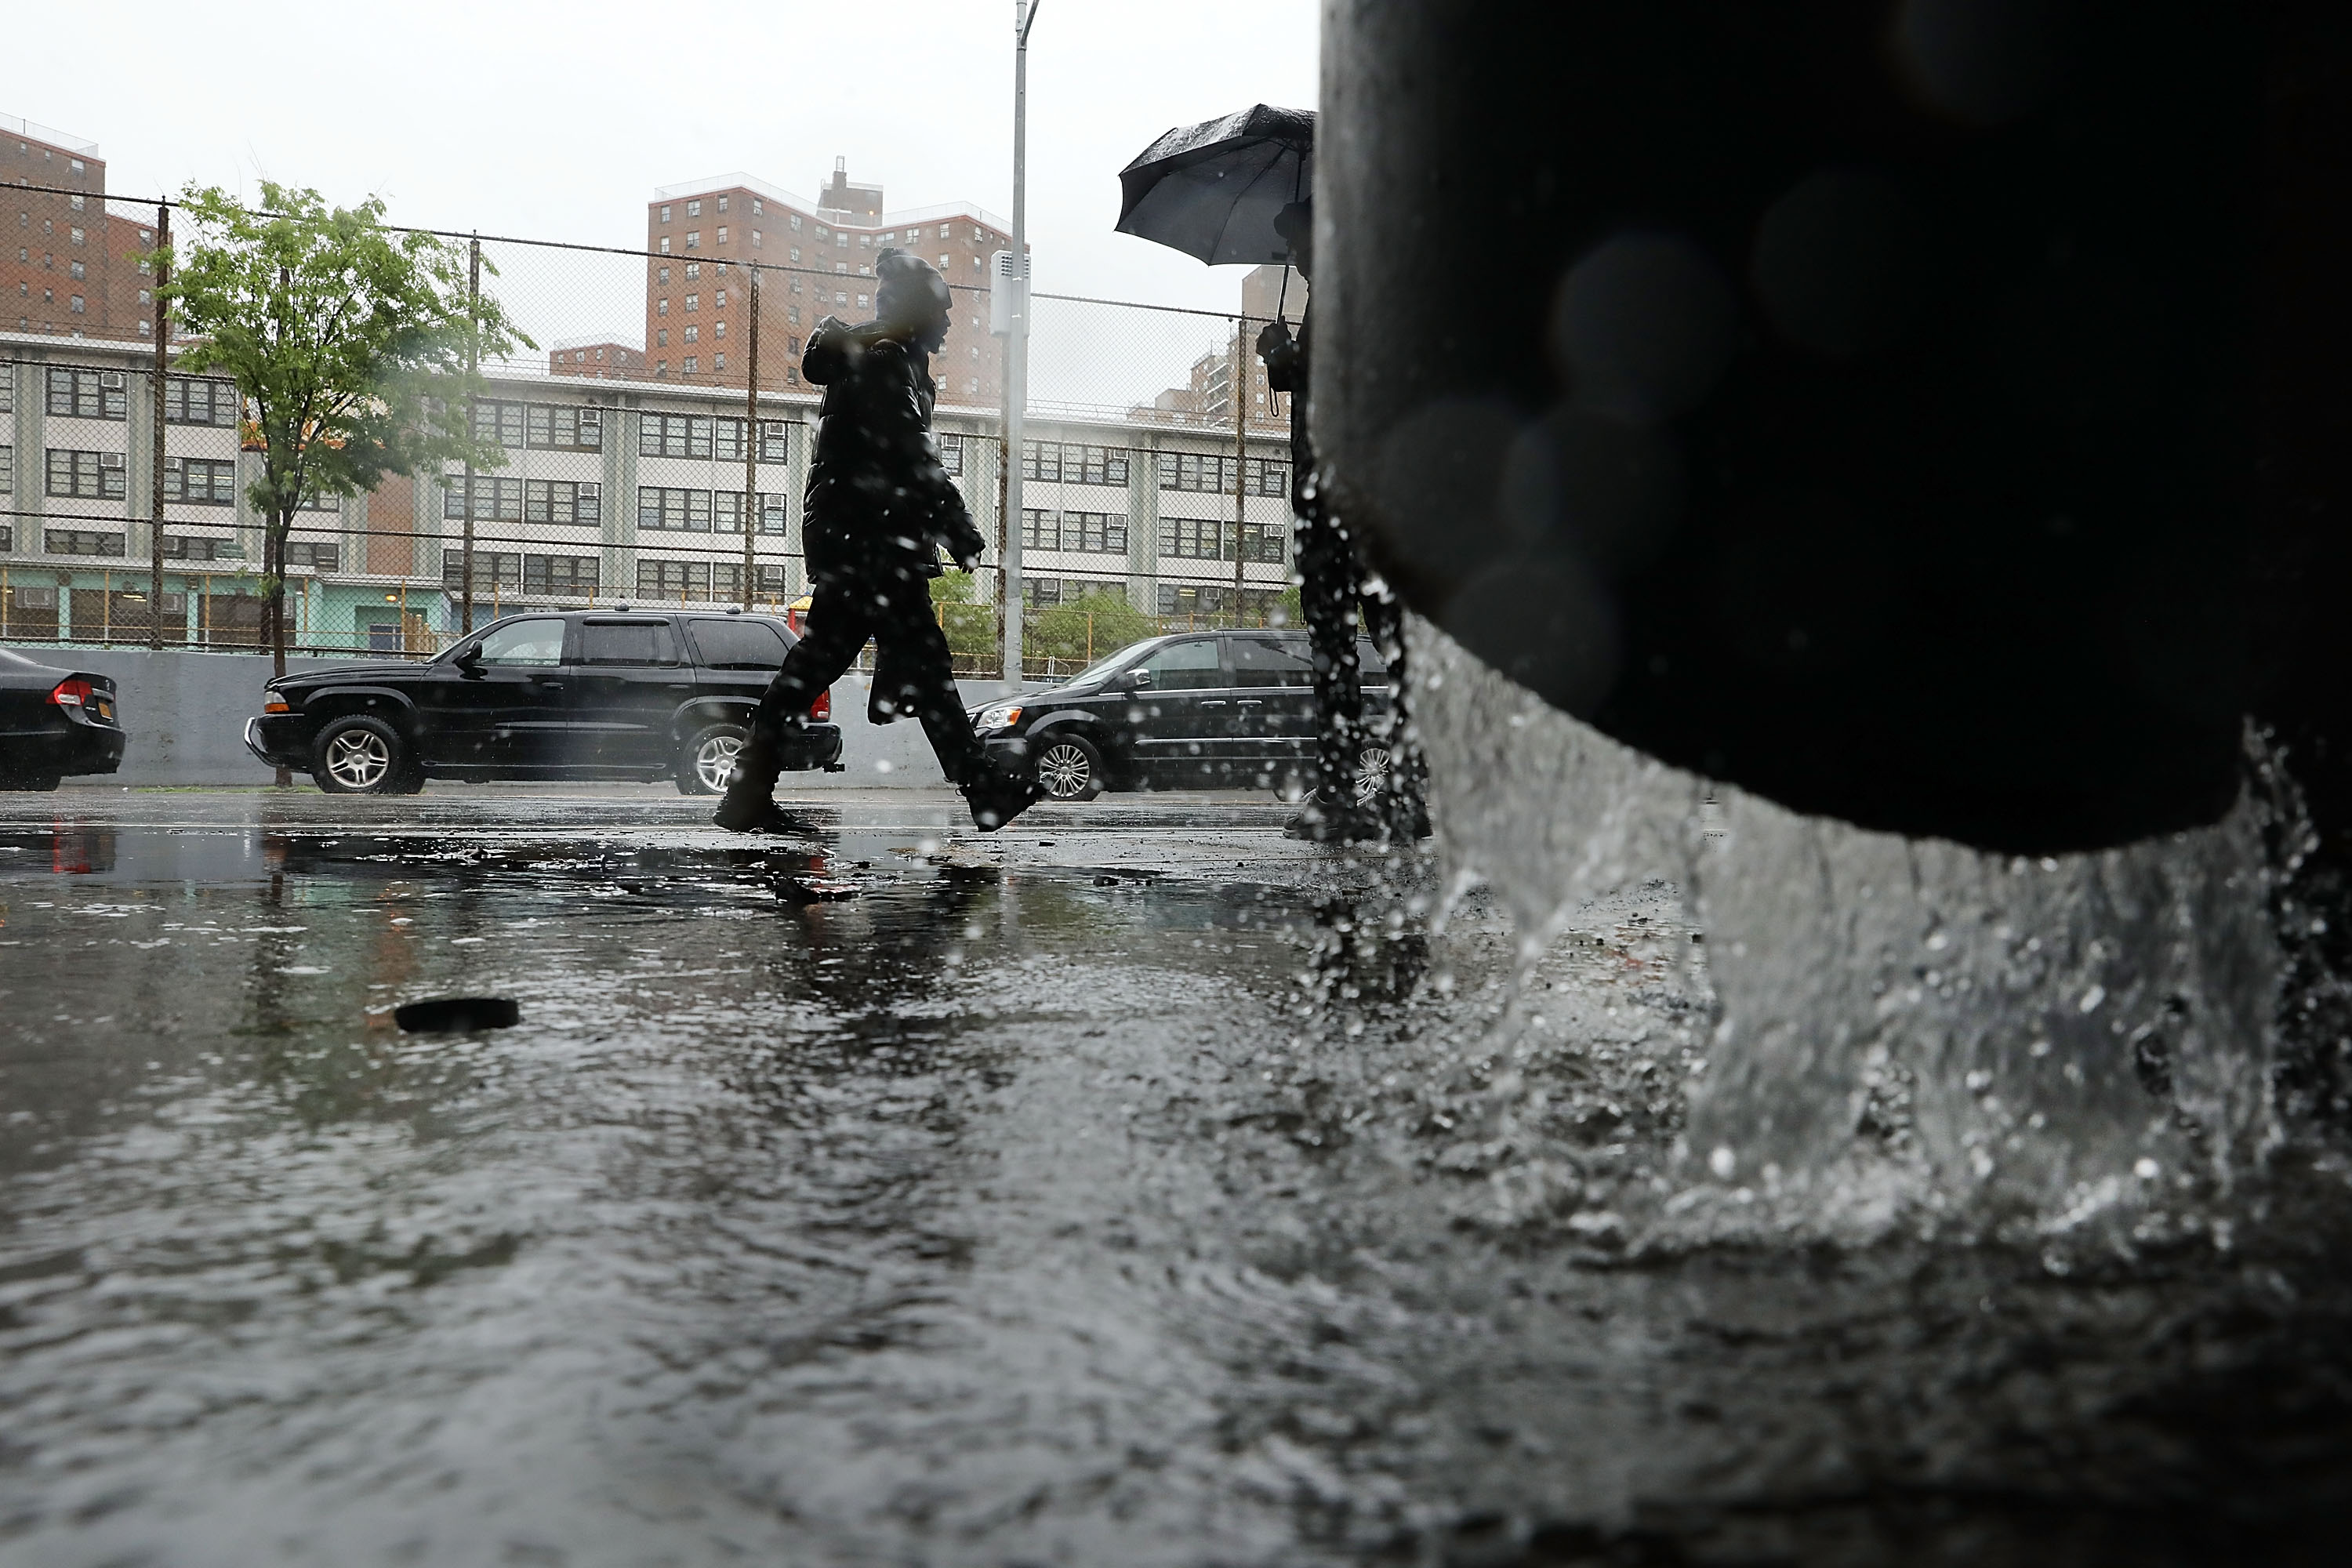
(1212, 190)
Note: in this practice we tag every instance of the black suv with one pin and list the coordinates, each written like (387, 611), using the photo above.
(578, 694)
(1231, 709)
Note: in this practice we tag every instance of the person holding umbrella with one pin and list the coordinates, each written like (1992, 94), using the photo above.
(879, 507)
(1239, 189)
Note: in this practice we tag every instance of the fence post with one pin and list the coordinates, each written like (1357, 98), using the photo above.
(1241, 453)
(751, 431)
(155, 480)
(473, 361)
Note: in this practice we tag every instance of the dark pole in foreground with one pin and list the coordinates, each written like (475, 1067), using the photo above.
(155, 480)
(473, 361)
(1241, 453)
(750, 432)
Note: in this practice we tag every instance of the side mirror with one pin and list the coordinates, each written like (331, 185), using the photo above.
(1139, 681)
(469, 660)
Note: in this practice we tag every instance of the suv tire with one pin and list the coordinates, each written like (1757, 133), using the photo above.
(1068, 767)
(704, 762)
(360, 754)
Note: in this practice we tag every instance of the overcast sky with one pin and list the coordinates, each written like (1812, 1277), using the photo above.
(557, 120)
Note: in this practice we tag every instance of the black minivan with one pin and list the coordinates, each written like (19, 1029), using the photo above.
(576, 694)
(1224, 709)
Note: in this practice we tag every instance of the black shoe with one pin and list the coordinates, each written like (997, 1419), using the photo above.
(997, 798)
(749, 813)
(1325, 822)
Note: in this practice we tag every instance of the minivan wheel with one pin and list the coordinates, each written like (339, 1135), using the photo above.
(360, 754)
(704, 762)
(1069, 768)
(1371, 774)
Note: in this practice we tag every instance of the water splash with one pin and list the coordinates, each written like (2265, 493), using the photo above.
(1906, 1030)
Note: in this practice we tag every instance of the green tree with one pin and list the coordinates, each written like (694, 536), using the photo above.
(969, 625)
(1088, 627)
(355, 348)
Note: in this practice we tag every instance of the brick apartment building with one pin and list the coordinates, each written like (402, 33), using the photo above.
(697, 308)
(1206, 398)
(600, 359)
(67, 267)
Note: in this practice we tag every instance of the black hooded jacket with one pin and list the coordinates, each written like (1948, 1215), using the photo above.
(878, 500)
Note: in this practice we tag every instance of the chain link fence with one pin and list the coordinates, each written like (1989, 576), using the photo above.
(652, 442)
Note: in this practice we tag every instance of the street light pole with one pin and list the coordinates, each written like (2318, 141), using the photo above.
(1016, 340)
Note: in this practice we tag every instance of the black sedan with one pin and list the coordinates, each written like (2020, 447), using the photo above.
(54, 722)
(578, 694)
(1227, 710)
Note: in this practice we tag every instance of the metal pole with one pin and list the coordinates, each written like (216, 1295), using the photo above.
(750, 432)
(1016, 342)
(1241, 455)
(155, 526)
(473, 361)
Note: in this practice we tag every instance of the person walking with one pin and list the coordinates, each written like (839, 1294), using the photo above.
(1333, 586)
(879, 507)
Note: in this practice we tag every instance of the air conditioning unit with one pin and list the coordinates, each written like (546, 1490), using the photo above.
(110, 459)
(111, 380)
(1001, 295)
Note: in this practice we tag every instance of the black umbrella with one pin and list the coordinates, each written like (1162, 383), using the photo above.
(1211, 190)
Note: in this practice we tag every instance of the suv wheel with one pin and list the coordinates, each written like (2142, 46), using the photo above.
(1371, 774)
(704, 762)
(360, 754)
(1069, 768)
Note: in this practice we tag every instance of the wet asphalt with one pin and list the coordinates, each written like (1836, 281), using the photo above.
(1132, 1187)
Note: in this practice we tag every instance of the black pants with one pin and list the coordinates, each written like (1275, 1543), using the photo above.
(1333, 587)
(911, 661)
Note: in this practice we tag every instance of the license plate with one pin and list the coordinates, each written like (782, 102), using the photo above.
(105, 710)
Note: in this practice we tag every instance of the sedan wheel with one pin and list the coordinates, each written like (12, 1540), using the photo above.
(709, 759)
(1371, 774)
(1069, 769)
(358, 759)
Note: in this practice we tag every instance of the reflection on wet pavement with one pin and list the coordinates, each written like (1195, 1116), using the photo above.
(1131, 1187)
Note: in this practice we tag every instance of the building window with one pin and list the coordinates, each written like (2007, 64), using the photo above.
(951, 454)
(199, 400)
(718, 300)
(1267, 477)
(564, 430)
(501, 422)
(755, 239)
(693, 271)
(673, 579)
(691, 365)
(775, 441)
(674, 434)
(90, 475)
(8, 470)
(1196, 471)
(200, 482)
(758, 206)
(661, 338)
(1089, 532)
(693, 334)
(80, 542)
(665, 276)
(494, 499)
(318, 554)
(560, 575)
(661, 306)
(797, 255)
(198, 547)
(78, 270)
(561, 501)
(795, 223)
(694, 240)
(694, 209)
(88, 394)
(492, 568)
(665, 245)
(75, 236)
(76, 202)
(694, 301)
(721, 236)
(77, 305)
(718, 362)
(665, 215)
(664, 508)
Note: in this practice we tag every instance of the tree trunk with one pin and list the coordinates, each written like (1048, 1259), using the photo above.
(273, 567)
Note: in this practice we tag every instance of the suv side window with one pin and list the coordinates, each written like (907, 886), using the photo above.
(1369, 665)
(1261, 660)
(1186, 666)
(626, 642)
(537, 641)
(735, 644)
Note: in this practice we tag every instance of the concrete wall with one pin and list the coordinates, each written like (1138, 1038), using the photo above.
(185, 715)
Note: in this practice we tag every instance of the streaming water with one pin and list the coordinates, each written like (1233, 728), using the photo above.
(1902, 1029)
